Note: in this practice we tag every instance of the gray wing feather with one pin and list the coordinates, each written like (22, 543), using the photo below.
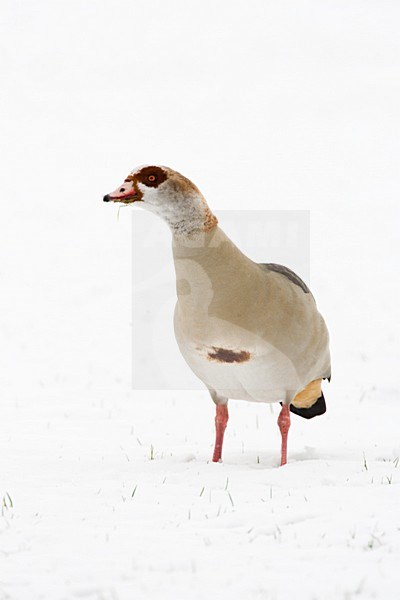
(288, 273)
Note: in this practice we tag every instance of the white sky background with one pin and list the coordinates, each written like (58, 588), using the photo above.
(264, 105)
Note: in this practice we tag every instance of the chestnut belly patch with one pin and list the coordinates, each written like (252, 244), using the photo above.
(224, 355)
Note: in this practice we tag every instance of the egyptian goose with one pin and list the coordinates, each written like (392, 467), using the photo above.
(249, 331)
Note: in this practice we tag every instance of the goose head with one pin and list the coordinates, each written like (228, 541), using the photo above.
(168, 194)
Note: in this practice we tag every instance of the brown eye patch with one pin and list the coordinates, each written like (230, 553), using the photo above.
(151, 176)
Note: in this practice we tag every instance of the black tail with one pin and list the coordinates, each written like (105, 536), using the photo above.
(318, 408)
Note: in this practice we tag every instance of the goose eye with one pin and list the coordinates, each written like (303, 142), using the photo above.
(152, 178)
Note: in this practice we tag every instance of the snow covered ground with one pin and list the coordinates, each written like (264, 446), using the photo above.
(108, 493)
(118, 499)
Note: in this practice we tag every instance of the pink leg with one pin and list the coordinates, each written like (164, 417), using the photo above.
(221, 419)
(284, 424)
